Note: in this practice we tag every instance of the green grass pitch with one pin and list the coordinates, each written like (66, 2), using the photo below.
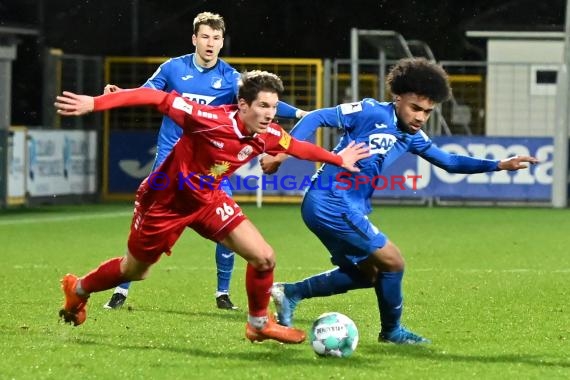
(489, 286)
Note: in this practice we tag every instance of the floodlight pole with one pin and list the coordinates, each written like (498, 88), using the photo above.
(560, 160)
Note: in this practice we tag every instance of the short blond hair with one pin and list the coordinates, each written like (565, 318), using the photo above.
(213, 20)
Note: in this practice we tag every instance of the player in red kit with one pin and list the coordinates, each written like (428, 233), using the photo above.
(183, 191)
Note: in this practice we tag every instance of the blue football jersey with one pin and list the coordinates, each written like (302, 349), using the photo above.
(376, 124)
(215, 86)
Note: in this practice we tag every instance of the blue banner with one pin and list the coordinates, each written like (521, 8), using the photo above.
(131, 155)
(413, 178)
(533, 184)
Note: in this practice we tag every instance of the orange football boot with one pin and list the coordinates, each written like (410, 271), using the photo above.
(74, 307)
(273, 330)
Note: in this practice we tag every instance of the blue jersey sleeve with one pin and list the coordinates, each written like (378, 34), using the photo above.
(454, 163)
(326, 117)
(286, 111)
(159, 80)
(236, 78)
(364, 115)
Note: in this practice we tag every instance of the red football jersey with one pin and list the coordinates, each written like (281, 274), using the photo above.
(214, 144)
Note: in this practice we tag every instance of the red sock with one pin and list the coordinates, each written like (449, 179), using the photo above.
(257, 285)
(106, 276)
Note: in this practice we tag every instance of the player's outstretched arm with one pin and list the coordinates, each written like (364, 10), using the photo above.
(325, 117)
(516, 163)
(287, 111)
(350, 155)
(456, 163)
(345, 159)
(70, 104)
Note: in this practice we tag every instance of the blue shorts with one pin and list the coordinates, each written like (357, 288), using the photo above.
(345, 231)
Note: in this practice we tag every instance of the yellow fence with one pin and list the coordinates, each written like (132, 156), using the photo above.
(302, 79)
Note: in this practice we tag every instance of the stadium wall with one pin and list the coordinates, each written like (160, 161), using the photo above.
(51, 166)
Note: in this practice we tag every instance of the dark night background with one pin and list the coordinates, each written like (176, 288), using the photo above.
(289, 28)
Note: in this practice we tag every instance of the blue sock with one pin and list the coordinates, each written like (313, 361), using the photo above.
(390, 299)
(125, 285)
(225, 265)
(335, 281)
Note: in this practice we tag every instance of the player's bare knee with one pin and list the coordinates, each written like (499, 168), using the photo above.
(397, 264)
(133, 269)
(390, 258)
(264, 260)
(262, 265)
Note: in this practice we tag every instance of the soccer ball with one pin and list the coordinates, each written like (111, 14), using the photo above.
(333, 334)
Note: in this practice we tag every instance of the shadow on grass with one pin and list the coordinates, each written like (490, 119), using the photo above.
(236, 315)
(235, 346)
(429, 353)
(265, 352)
(232, 346)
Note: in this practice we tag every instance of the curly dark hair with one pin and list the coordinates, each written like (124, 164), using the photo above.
(421, 77)
(252, 82)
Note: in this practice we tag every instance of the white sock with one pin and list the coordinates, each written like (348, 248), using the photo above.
(257, 322)
(218, 293)
(79, 290)
(122, 291)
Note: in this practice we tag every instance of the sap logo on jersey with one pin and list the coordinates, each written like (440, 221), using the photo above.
(200, 99)
(381, 143)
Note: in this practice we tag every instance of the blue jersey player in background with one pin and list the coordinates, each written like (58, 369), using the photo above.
(336, 211)
(204, 78)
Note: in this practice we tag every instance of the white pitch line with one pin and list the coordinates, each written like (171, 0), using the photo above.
(64, 218)
(477, 271)
(465, 271)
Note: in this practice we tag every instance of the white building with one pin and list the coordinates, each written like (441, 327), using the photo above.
(521, 81)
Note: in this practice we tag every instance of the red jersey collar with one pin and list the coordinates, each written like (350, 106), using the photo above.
(239, 127)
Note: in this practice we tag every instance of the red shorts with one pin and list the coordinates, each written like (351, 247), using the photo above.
(156, 227)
